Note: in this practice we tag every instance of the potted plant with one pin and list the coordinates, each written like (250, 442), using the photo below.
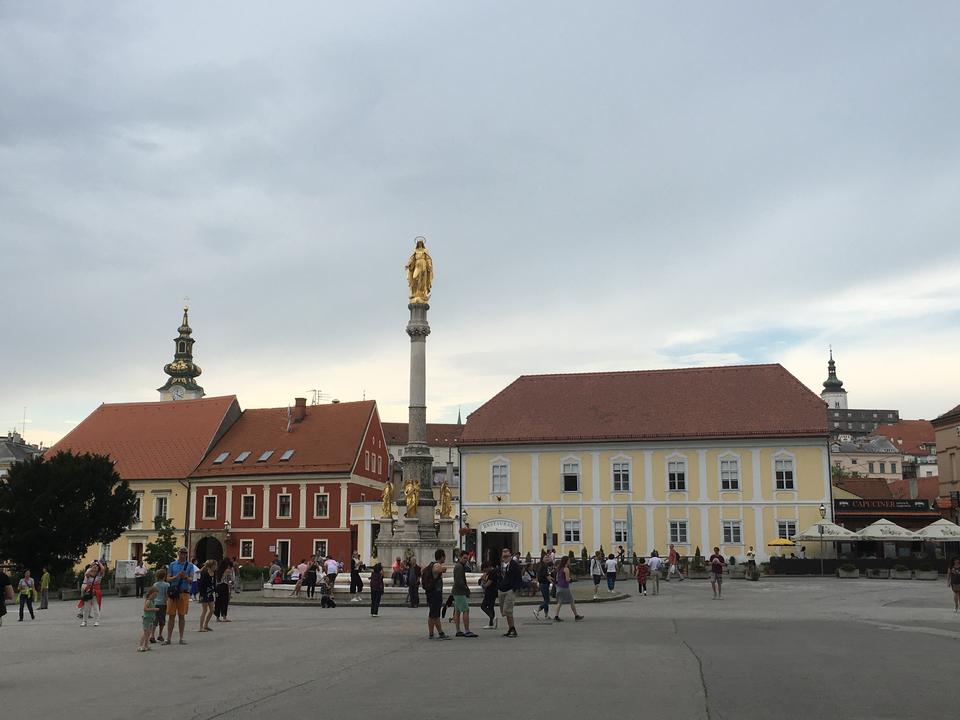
(878, 573)
(848, 570)
(697, 569)
(901, 572)
(926, 572)
(736, 572)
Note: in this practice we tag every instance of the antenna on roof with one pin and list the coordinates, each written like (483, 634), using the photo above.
(317, 396)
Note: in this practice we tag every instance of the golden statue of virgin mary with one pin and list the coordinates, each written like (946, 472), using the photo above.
(420, 273)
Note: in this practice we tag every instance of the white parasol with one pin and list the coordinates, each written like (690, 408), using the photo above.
(885, 531)
(831, 533)
(940, 531)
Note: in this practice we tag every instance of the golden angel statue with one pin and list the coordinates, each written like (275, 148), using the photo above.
(411, 492)
(420, 273)
(387, 498)
(446, 500)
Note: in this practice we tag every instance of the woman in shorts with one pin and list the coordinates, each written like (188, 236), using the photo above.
(564, 594)
(597, 572)
(953, 580)
(206, 593)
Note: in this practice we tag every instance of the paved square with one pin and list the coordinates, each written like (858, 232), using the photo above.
(795, 648)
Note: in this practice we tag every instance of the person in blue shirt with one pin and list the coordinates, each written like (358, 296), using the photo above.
(180, 576)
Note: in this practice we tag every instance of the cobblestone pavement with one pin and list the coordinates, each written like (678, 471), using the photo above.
(793, 648)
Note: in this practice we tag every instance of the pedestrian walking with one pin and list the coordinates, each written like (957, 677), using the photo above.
(139, 577)
(655, 563)
(376, 589)
(643, 572)
(544, 578)
(564, 594)
(45, 589)
(953, 580)
(717, 563)
(90, 602)
(509, 582)
(673, 559)
(461, 597)
(160, 603)
(332, 569)
(180, 576)
(206, 593)
(413, 584)
(611, 568)
(25, 589)
(597, 571)
(225, 583)
(149, 620)
(6, 594)
(356, 582)
(432, 580)
(488, 583)
(195, 580)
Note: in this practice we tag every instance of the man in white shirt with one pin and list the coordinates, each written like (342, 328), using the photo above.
(139, 577)
(655, 563)
(331, 567)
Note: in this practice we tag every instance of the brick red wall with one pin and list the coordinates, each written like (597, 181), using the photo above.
(301, 544)
(375, 444)
(200, 492)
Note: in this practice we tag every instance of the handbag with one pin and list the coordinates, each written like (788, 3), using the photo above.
(87, 594)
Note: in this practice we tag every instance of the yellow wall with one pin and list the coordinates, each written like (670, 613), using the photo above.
(143, 532)
(535, 482)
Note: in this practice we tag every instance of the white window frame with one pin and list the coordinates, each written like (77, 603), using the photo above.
(681, 459)
(315, 496)
(732, 532)
(572, 531)
(625, 467)
(105, 551)
(570, 460)
(253, 514)
(620, 531)
(326, 546)
(729, 457)
(138, 512)
(366, 460)
(379, 464)
(205, 515)
(289, 496)
(505, 480)
(784, 529)
(166, 506)
(241, 556)
(784, 456)
(678, 532)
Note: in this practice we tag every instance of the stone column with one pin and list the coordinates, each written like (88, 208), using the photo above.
(417, 460)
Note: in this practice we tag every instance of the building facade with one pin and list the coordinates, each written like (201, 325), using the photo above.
(947, 429)
(442, 438)
(14, 449)
(281, 482)
(155, 447)
(730, 456)
(874, 457)
(917, 441)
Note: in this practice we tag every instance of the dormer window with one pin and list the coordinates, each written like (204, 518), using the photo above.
(265, 456)
(242, 456)
(220, 458)
(287, 454)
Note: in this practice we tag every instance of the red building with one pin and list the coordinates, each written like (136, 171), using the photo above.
(280, 483)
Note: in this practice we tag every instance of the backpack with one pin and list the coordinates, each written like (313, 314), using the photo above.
(427, 578)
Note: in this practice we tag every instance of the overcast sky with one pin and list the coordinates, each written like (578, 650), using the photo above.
(602, 186)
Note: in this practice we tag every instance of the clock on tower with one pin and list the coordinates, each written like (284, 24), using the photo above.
(183, 372)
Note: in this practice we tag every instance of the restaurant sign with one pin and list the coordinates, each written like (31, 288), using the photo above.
(881, 505)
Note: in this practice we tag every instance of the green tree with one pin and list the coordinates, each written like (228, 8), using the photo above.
(162, 551)
(53, 509)
(839, 473)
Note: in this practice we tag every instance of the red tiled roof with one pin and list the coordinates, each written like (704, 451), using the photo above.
(714, 402)
(948, 417)
(928, 488)
(327, 440)
(907, 435)
(152, 440)
(438, 434)
(865, 488)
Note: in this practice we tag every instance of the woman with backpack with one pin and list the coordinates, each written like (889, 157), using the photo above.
(597, 571)
(564, 594)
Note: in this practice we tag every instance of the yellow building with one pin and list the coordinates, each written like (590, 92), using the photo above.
(155, 447)
(730, 457)
(947, 429)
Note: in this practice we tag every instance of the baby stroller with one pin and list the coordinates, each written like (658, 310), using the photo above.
(326, 595)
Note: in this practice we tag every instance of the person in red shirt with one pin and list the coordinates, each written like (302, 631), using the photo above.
(717, 564)
(643, 572)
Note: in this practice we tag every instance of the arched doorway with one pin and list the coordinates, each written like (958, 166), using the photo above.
(209, 548)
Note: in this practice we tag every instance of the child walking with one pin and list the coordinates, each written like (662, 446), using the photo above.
(206, 594)
(149, 619)
(643, 572)
(160, 587)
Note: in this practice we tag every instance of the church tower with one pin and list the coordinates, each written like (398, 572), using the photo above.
(833, 393)
(183, 372)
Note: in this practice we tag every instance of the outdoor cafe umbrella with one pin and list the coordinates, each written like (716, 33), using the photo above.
(629, 532)
(831, 533)
(780, 542)
(939, 531)
(885, 531)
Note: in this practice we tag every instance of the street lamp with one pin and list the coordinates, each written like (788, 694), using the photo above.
(823, 514)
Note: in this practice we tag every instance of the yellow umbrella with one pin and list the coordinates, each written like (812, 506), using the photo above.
(781, 542)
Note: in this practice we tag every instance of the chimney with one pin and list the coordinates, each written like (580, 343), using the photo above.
(299, 409)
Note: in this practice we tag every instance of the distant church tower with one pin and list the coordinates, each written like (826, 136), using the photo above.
(182, 371)
(833, 393)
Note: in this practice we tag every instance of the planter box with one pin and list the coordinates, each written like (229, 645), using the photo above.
(901, 574)
(878, 573)
(69, 594)
(698, 574)
(123, 590)
(926, 575)
(738, 573)
(841, 573)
